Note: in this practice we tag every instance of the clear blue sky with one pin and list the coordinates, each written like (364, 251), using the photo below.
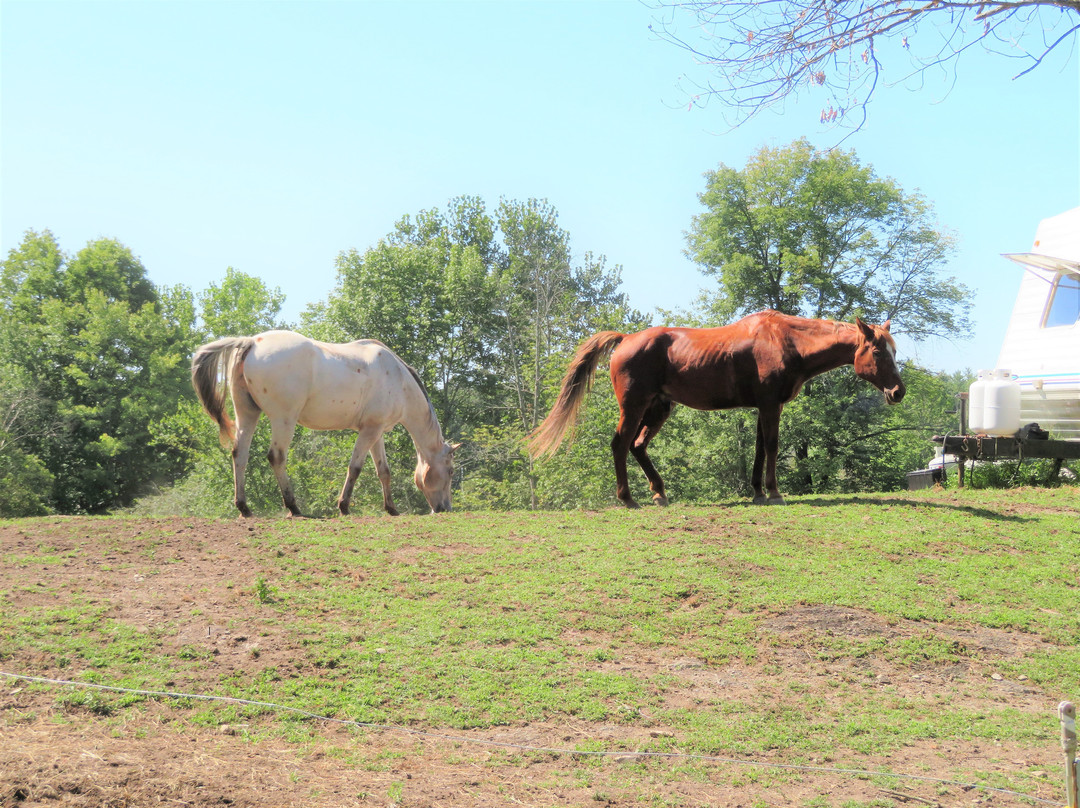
(270, 136)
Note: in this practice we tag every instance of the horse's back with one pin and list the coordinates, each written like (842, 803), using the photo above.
(705, 368)
(324, 385)
(289, 353)
(667, 362)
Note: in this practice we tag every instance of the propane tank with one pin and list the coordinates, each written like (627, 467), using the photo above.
(977, 401)
(1001, 405)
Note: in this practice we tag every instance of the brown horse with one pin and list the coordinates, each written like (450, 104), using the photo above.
(761, 361)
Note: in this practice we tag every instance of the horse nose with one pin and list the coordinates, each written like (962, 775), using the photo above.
(894, 395)
(441, 508)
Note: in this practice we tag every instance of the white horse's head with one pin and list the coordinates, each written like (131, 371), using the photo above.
(433, 477)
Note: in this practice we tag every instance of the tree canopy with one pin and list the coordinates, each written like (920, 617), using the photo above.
(819, 234)
(241, 305)
(93, 361)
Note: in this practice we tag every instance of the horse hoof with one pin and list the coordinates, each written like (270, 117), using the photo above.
(659, 500)
(629, 503)
(393, 511)
(764, 500)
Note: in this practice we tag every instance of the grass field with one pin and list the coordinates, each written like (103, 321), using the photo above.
(929, 634)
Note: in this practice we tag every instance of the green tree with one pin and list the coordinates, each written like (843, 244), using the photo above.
(23, 421)
(241, 305)
(547, 307)
(104, 360)
(428, 292)
(844, 438)
(821, 235)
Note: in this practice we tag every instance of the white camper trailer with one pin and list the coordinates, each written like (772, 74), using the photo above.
(1042, 343)
(1042, 350)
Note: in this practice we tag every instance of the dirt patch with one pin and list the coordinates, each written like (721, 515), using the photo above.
(198, 576)
(824, 620)
(804, 630)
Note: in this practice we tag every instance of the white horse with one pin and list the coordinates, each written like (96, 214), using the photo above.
(362, 385)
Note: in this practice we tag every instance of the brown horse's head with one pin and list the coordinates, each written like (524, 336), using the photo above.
(875, 360)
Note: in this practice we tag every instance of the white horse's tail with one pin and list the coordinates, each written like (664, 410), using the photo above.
(211, 367)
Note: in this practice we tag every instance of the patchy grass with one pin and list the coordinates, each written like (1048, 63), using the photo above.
(857, 632)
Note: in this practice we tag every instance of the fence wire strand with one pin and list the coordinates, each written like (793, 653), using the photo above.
(526, 747)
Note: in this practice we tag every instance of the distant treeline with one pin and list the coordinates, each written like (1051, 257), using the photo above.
(97, 411)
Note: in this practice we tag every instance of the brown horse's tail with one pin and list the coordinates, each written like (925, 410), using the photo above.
(545, 439)
(211, 367)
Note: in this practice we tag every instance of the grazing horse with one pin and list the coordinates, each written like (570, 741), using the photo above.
(761, 361)
(360, 385)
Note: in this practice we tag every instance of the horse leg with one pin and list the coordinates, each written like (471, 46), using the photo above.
(382, 468)
(247, 417)
(364, 441)
(769, 435)
(655, 416)
(759, 465)
(281, 433)
(629, 422)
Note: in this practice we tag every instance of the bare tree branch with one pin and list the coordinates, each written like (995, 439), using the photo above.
(763, 53)
(16, 404)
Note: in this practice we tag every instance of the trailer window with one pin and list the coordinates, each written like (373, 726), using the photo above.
(1064, 307)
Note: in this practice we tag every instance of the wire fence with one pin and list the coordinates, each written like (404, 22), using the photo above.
(486, 742)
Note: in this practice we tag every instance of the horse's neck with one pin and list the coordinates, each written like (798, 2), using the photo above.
(420, 422)
(830, 349)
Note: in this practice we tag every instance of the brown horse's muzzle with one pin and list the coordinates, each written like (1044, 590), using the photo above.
(894, 395)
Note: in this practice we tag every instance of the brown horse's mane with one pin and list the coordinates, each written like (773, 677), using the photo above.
(804, 323)
(808, 324)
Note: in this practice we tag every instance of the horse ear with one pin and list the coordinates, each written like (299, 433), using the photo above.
(867, 330)
(886, 324)
(454, 447)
